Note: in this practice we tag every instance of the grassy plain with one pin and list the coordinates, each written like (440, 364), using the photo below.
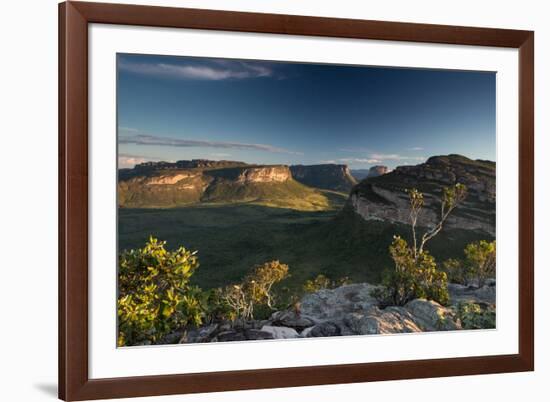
(232, 238)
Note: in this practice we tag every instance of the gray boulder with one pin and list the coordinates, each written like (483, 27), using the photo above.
(323, 329)
(334, 304)
(229, 336)
(242, 335)
(391, 320)
(199, 335)
(280, 332)
(431, 316)
(292, 319)
(257, 334)
(470, 294)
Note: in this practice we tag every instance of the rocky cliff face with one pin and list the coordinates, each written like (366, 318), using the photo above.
(377, 170)
(160, 185)
(254, 174)
(328, 176)
(384, 197)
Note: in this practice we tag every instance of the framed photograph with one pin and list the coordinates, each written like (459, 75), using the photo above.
(258, 200)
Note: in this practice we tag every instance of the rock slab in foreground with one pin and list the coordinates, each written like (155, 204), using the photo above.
(346, 310)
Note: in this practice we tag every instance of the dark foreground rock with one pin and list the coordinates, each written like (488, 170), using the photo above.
(346, 310)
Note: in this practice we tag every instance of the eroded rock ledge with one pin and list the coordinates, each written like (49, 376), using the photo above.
(346, 310)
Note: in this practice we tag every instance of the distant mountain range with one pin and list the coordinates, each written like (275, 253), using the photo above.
(163, 184)
(378, 196)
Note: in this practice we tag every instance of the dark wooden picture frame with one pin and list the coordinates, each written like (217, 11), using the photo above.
(74, 382)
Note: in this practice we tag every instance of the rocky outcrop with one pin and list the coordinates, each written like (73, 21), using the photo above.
(351, 310)
(471, 294)
(168, 179)
(384, 197)
(254, 174)
(329, 176)
(331, 304)
(343, 311)
(377, 170)
(280, 332)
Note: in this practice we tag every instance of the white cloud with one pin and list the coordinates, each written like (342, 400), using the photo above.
(416, 149)
(360, 160)
(128, 129)
(214, 72)
(396, 157)
(142, 139)
(129, 161)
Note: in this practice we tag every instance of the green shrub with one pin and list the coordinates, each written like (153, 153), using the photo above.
(256, 290)
(457, 271)
(322, 282)
(478, 265)
(155, 296)
(473, 316)
(316, 284)
(214, 307)
(412, 278)
(481, 260)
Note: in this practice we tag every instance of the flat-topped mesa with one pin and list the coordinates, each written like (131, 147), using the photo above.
(187, 164)
(327, 176)
(377, 170)
(254, 174)
(384, 197)
(159, 185)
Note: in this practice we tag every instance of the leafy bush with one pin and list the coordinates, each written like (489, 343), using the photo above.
(412, 277)
(481, 258)
(322, 282)
(457, 271)
(473, 316)
(155, 296)
(255, 290)
(478, 265)
(316, 284)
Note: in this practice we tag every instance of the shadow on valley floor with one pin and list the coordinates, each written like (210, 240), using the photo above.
(231, 239)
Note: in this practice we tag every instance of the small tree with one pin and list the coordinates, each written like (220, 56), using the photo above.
(415, 274)
(451, 198)
(155, 296)
(237, 298)
(481, 259)
(412, 278)
(261, 281)
(256, 289)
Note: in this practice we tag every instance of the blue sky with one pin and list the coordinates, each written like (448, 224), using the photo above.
(173, 108)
